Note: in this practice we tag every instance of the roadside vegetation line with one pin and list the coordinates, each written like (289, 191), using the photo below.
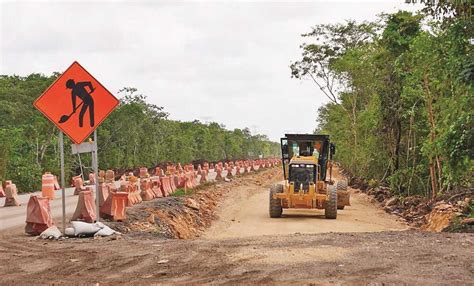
(136, 134)
(401, 92)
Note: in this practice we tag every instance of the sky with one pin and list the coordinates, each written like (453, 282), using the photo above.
(220, 61)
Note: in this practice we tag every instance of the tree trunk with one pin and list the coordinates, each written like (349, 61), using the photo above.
(397, 145)
(429, 106)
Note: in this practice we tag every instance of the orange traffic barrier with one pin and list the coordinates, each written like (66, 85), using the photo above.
(170, 169)
(199, 169)
(159, 172)
(85, 209)
(219, 174)
(156, 186)
(172, 183)
(229, 172)
(238, 169)
(165, 186)
(246, 167)
(136, 192)
(114, 206)
(102, 174)
(180, 180)
(189, 181)
(91, 178)
(146, 193)
(47, 185)
(2, 192)
(11, 195)
(192, 176)
(103, 193)
(133, 193)
(203, 177)
(78, 185)
(144, 173)
(109, 176)
(38, 215)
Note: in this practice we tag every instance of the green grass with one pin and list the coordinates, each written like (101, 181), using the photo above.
(180, 192)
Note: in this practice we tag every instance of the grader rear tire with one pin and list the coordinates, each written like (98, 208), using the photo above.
(275, 204)
(330, 211)
(341, 186)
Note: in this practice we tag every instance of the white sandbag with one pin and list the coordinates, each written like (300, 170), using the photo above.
(105, 230)
(69, 231)
(84, 229)
(99, 224)
(51, 233)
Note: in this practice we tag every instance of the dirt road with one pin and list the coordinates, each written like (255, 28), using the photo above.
(245, 213)
(243, 247)
(401, 257)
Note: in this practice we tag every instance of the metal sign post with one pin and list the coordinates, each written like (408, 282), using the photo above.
(91, 147)
(63, 187)
(95, 160)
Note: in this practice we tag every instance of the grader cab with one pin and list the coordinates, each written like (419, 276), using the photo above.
(307, 160)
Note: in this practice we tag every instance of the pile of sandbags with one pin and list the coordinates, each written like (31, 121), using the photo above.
(79, 229)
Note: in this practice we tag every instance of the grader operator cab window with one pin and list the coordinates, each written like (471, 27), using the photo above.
(302, 174)
(307, 145)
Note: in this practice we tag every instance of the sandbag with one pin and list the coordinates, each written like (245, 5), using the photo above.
(51, 233)
(84, 228)
(69, 231)
(105, 230)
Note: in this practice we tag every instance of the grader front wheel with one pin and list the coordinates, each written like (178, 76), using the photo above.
(275, 204)
(330, 211)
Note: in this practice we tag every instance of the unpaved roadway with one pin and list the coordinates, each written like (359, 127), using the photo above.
(245, 213)
(364, 245)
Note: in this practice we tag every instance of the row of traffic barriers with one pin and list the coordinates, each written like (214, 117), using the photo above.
(116, 196)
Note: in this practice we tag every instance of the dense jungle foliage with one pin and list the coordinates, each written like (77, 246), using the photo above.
(401, 107)
(136, 134)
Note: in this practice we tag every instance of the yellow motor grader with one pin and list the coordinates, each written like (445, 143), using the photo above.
(306, 159)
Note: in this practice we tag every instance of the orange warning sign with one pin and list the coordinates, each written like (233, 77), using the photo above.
(76, 103)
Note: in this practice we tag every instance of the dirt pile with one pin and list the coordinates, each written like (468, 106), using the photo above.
(185, 216)
(430, 215)
(447, 213)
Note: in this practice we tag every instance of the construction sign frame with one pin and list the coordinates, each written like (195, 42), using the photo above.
(95, 103)
(76, 102)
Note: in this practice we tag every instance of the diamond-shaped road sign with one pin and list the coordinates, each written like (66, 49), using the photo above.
(76, 103)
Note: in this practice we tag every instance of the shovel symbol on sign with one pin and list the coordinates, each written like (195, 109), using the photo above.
(79, 90)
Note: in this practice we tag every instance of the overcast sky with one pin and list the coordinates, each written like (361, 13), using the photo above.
(216, 61)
